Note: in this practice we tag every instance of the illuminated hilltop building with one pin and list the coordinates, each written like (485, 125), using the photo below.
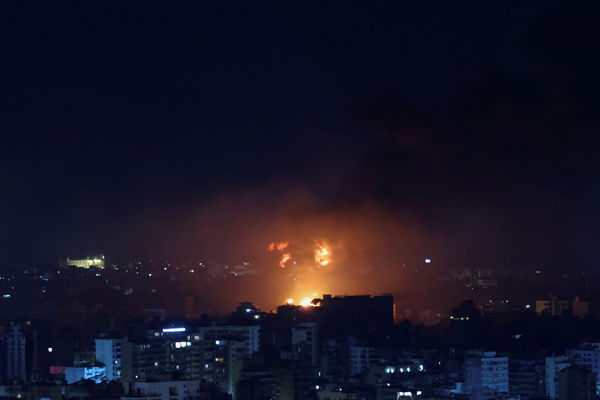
(557, 307)
(86, 263)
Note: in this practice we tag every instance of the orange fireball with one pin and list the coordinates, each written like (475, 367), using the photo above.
(285, 257)
(277, 245)
(322, 254)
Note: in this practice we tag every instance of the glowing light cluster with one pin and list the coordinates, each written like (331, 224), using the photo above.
(280, 246)
(285, 257)
(172, 330)
(322, 254)
(306, 302)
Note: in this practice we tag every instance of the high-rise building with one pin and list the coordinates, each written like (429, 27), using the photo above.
(576, 383)
(214, 354)
(305, 342)
(587, 355)
(554, 365)
(359, 359)
(486, 375)
(12, 353)
(527, 378)
(161, 355)
(225, 348)
(248, 335)
(108, 351)
(296, 383)
(357, 315)
(257, 385)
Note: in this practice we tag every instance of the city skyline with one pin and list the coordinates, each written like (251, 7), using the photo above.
(300, 201)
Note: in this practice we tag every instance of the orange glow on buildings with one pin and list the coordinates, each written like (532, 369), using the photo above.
(306, 302)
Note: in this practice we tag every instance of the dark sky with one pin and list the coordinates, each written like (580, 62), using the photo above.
(136, 130)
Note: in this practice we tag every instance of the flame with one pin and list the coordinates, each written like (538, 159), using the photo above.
(285, 257)
(322, 254)
(280, 246)
(277, 245)
(306, 302)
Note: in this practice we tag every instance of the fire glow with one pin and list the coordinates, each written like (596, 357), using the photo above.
(280, 246)
(285, 257)
(307, 266)
(305, 302)
(322, 255)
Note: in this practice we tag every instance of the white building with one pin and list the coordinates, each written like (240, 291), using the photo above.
(486, 375)
(76, 374)
(165, 390)
(587, 355)
(554, 365)
(359, 359)
(108, 351)
(306, 336)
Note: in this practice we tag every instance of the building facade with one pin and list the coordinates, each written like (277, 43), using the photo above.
(12, 353)
(554, 365)
(108, 351)
(486, 375)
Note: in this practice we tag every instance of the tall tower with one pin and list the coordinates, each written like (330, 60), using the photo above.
(12, 353)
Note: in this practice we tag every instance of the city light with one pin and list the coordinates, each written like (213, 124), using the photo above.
(172, 330)
(317, 175)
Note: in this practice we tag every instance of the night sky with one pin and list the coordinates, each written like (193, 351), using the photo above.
(466, 132)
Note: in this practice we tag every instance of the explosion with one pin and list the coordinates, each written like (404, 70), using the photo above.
(277, 245)
(285, 257)
(306, 281)
(322, 254)
(280, 246)
(306, 302)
